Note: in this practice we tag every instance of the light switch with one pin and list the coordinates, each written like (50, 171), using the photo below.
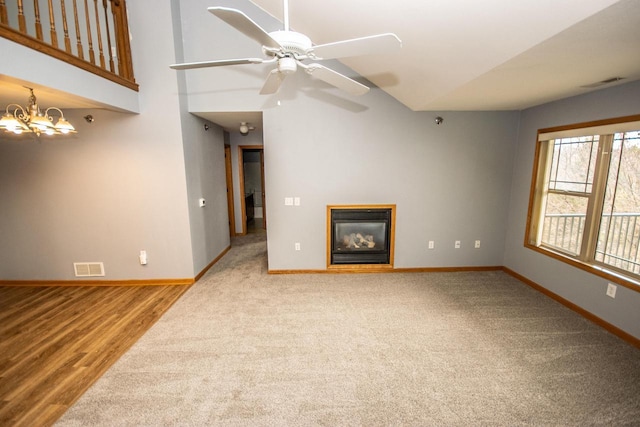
(288, 201)
(296, 201)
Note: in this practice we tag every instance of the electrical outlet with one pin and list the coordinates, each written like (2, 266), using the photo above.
(297, 246)
(431, 244)
(611, 290)
(143, 257)
(296, 201)
(477, 245)
(457, 244)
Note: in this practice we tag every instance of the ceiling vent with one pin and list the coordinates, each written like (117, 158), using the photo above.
(603, 82)
(88, 269)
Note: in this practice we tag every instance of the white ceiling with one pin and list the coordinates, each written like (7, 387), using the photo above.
(478, 55)
(481, 55)
(462, 54)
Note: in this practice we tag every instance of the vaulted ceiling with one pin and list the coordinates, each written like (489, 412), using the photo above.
(460, 54)
(481, 55)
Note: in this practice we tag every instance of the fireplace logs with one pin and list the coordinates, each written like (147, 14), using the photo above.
(357, 240)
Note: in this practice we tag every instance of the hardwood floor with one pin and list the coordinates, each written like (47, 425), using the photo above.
(57, 341)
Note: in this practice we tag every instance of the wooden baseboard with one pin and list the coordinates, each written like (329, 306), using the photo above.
(212, 263)
(447, 269)
(301, 272)
(141, 282)
(370, 269)
(581, 311)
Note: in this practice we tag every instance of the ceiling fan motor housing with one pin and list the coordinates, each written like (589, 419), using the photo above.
(292, 42)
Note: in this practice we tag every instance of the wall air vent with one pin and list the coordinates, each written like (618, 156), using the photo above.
(88, 269)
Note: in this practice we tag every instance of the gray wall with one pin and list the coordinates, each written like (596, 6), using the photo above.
(205, 171)
(449, 182)
(222, 89)
(577, 286)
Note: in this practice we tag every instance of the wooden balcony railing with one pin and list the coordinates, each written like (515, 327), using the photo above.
(90, 34)
(618, 247)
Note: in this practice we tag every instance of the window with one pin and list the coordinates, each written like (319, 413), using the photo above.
(585, 202)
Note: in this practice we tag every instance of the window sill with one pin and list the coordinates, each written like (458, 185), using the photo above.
(610, 275)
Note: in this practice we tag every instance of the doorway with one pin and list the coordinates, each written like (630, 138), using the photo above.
(251, 171)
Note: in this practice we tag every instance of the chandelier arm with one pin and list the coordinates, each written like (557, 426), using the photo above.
(46, 113)
(23, 113)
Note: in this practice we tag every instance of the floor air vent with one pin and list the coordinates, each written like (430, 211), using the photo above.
(88, 269)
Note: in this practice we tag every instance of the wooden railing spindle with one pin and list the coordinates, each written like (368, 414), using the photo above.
(52, 23)
(36, 10)
(4, 18)
(100, 52)
(65, 27)
(112, 66)
(92, 56)
(22, 23)
(79, 47)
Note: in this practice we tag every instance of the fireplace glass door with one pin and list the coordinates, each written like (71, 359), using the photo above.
(360, 236)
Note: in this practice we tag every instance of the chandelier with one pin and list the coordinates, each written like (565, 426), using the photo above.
(31, 120)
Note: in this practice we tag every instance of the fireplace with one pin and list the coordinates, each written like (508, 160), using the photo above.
(360, 236)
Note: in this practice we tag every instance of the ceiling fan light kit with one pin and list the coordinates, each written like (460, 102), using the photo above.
(287, 65)
(288, 49)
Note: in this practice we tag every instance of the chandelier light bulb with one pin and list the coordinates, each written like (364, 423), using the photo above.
(64, 126)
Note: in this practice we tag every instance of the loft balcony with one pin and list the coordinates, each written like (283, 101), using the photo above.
(57, 44)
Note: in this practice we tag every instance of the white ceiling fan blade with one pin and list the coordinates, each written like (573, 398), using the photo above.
(273, 82)
(381, 43)
(218, 63)
(336, 79)
(245, 25)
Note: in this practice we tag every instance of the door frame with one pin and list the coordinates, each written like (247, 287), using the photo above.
(241, 150)
(229, 179)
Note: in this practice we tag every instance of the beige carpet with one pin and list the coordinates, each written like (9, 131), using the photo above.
(245, 348)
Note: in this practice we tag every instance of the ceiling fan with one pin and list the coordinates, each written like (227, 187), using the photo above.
(289, 49)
